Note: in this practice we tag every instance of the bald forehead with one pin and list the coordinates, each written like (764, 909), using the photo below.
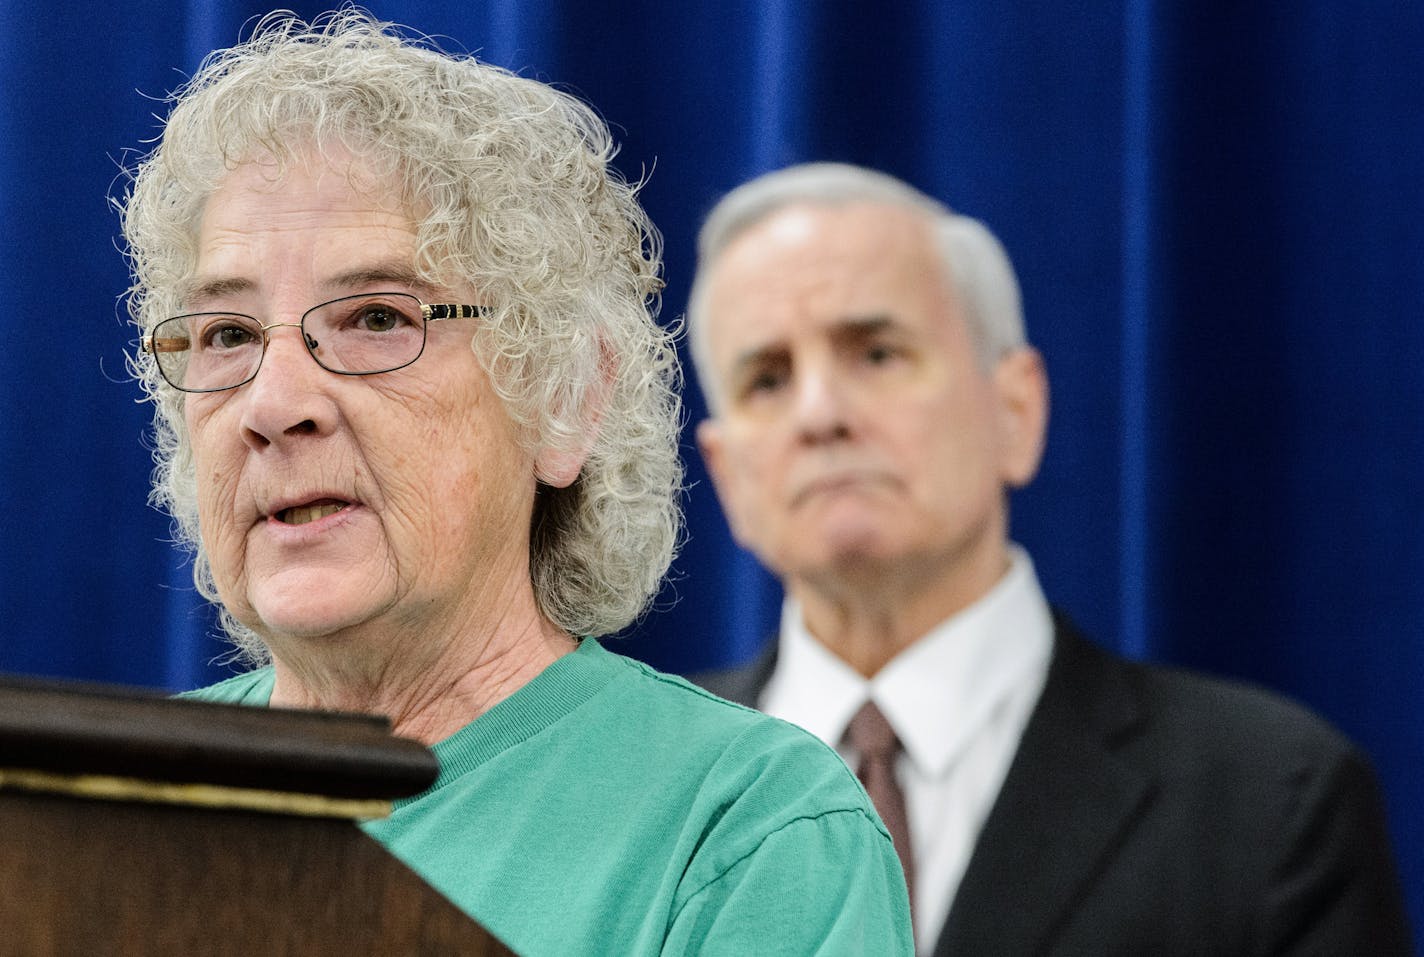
(853, 230)
(824, 277)
(827, 259)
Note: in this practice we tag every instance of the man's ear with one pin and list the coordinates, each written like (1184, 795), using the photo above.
(558, 466)
(1021, 388)
(711, 442)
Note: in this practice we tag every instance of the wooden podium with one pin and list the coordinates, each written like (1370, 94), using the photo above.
(135, 824)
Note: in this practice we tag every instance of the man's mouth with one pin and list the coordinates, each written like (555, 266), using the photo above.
(301, 514)
(830, 484)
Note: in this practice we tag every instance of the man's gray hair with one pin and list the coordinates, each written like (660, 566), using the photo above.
(511, 184)
(975, 261)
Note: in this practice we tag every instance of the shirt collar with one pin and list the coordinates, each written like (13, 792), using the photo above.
(939, 691)
(811, 686)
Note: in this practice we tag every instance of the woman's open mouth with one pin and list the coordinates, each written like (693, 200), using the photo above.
(302, 514)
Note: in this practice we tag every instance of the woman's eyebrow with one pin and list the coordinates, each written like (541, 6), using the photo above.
(398, 274)
(204, 289)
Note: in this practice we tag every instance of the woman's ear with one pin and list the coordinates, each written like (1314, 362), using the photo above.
(559, 466)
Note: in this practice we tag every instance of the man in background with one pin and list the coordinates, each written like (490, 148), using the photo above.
(872, 401)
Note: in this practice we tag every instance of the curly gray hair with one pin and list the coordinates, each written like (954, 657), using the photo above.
(513, 187)
(971, 255)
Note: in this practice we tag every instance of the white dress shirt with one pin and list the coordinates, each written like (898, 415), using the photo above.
(958, 699)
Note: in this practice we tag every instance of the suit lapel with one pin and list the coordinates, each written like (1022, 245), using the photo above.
(742, 685)
(1065, 806)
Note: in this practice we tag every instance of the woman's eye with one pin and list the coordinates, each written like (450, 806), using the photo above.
(378, 319)
(228, 336)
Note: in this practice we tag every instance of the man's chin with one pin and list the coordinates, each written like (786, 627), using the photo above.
(857, 538)
(852, 555)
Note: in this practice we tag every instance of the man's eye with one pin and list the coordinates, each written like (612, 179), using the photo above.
(764, 382)
(880, 353)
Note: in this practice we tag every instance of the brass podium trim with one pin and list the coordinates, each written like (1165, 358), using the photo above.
(106, 787)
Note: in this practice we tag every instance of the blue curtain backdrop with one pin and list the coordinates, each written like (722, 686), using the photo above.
(1215, 207)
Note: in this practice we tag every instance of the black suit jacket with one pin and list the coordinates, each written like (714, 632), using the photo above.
(1154, 812)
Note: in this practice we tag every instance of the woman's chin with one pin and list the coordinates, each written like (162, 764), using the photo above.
(308, 621)
(306, 606)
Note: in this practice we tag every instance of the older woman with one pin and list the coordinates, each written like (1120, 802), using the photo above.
(415, 418)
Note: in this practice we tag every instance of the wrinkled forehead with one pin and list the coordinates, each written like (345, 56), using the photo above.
(335, 177)
(268, 223)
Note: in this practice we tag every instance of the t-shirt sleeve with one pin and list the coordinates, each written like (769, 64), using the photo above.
(829, 884)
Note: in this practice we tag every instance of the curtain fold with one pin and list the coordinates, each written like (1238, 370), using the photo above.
(1137, 270)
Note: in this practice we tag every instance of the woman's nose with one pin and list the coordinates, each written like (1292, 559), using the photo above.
(288, 396)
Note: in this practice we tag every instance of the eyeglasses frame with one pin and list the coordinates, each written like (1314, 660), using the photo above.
(429, 312)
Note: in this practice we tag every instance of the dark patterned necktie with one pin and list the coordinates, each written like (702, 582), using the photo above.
(875, 742)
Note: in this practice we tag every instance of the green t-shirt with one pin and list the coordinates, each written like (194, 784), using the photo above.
(605, 808)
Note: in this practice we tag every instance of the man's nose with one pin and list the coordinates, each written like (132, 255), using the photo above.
(821, 405)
